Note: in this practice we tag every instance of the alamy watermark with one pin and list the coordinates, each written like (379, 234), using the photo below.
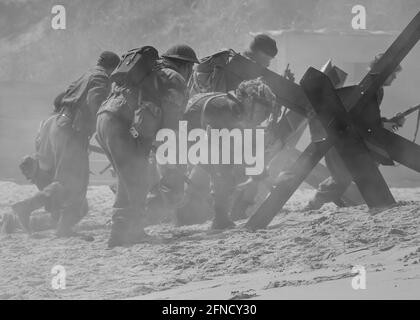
(212, 146)
(58, 21)
(359, 281)
(58, 281)
(358, 22)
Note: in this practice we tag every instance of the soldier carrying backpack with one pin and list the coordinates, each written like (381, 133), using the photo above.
(149, 94)
(60, 167)
(211, 76)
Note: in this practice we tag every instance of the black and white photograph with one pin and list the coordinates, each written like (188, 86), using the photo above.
(226, 151)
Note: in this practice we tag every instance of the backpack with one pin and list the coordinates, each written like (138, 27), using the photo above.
(209, 75)
(135, 65)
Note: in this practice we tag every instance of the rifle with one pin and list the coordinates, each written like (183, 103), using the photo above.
(288, 74)
(401, 115)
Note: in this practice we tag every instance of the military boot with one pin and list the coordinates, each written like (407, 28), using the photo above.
(118, 230)
(239, 208)
(135, 232)
(196, 208)
(126, 229)
(65, 225)
(221, 220)
(69, 217)
(23, 209)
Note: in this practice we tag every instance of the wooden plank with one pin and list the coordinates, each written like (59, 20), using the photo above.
(288, 93)
(288, 156)
(400, 149)
(385, 66)
(287, 184)
(349, 144)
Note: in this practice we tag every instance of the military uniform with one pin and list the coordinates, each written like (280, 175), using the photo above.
(217, 111)
(62, 151)
(163, 92)
(210, 76)
(128, 155)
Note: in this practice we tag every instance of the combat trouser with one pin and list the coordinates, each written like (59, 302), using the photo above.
(130, 159)
(332, 188)
(167, 192)
(66, 193)
(220, 181)
(223, 184)
(197, 207)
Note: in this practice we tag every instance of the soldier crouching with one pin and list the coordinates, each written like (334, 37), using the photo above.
(62, 159)
(246, 108)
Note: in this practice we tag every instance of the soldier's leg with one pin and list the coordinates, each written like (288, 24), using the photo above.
(72, 173)
(196, 207)
(333, 188)
(69, 182)
(167, 193)
(223, 184)
(245, 198)
(127, 226)
(130, 159)
(30, 168)
(23, 209)
(155, 204)
(47, 221)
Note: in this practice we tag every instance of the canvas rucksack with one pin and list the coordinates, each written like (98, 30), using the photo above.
(135, 65)
(209, 75)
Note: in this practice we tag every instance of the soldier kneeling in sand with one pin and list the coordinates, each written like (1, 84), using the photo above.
(60, 168)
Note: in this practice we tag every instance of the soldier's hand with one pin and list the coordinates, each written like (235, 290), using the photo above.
(400, 122)
(290, 75)
(29, 167)
(391, 126)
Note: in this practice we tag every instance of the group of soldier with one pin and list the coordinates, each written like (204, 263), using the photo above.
(124, 117)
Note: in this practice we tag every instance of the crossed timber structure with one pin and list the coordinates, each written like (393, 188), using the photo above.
(338, 114)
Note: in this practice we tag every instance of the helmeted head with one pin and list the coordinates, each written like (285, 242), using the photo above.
(257, 99)
(184, 57)
(392, 76)
(108, 60)
(263, 49)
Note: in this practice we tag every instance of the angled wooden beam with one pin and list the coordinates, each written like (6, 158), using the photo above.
(349, 144)
(288, 156)
(354, 103)
(287, 184)
(384, 67)
(288, 93)
(399, 149)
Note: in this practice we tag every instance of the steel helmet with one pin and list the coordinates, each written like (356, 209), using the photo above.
(181, 52)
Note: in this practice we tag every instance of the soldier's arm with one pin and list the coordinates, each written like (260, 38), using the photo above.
(174, 103)
(98, 92)
(57, 101)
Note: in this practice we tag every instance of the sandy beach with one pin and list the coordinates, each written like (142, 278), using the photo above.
(302, 255)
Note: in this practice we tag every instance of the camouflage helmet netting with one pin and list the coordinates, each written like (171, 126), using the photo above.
(257, 90)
